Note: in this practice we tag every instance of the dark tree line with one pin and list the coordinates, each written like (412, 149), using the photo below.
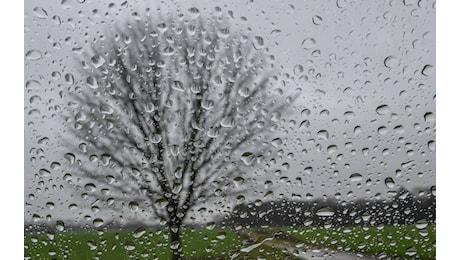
(404, 209)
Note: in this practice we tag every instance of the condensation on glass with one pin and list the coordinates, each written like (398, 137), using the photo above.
(230, 130)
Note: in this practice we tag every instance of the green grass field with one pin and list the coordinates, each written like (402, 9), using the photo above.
(406, 242)
(220, 243)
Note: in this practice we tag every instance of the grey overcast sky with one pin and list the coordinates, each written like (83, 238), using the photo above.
(347, 58)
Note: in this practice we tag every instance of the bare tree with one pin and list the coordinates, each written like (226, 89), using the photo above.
(168, 113)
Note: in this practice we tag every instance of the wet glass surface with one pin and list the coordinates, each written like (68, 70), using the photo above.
(230, 130)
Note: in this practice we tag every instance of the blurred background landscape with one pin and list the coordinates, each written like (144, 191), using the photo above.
(345, 171)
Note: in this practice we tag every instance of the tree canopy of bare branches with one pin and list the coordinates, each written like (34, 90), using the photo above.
(168, 112)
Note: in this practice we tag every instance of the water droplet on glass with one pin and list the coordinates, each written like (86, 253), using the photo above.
(156, 139)
(389, 182)
(43, 140)
(308, 222)
(382, 130)
(304, 124)
(357, 130)
(305, 112)
(298, 69)
(331, 149)
(308, 170)
(411, 251)
(194, 12)
(161, 203)
(258, 42)
(40, 13)
(238, 181)
(139, 232)
(221, 235)
(98, 222)
(178, 85)
(69, 79)
(36, 217)
(323, 135)
(177, 188)
(268, 184)
(429, 117)
(33, 55)
(92, 245)
(213, 132)
(106, 109)
(240, 199)
(162, 27)
(324, 113)
(97, 61)
(44, 172)
(427, 70)
(91, 82)
(247, 158)
(50, 205)
(133, 206)
(67, 177)
(275, 33)
(349, 115)
(91, 187)
(207, 104)
(383, 110)
(59, 225)
(57, 20)
(325, 212)
(277, 142)
(421, 224)
(317, 20)
(56, 75)
(70, 157)
(431, 145)
(356, 177)
(391, 62)
(33, 84)
(83, 147)
(399, 129)
(174, 245)
(105, 159)
(308, 43)
(244, 91)
(227, 122)
(168, 51)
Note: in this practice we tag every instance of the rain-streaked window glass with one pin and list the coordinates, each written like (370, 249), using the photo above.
(230, 129)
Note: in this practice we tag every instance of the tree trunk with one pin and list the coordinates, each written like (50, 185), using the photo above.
(176, 246)
(174, 231)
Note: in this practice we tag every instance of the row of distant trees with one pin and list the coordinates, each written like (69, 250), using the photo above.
(404, 209)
